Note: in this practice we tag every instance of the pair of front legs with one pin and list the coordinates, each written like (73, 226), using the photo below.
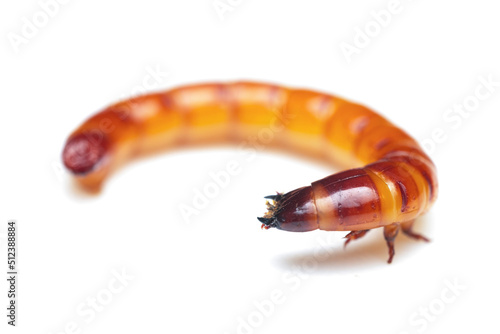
(390, 233)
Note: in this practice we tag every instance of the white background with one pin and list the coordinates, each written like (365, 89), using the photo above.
(206, 276)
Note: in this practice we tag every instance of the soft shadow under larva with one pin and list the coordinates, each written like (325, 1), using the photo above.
(364, 254)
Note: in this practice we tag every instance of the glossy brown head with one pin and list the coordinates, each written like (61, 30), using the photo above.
(294, 211)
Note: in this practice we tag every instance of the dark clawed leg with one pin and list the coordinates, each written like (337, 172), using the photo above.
(407, 229)
(353, 235)
(390, 233)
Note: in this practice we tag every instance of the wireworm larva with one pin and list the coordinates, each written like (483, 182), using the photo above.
(396, 185)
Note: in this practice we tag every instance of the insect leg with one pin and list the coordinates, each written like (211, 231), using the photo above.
(407, 228)
(390, 233)
(353, 235)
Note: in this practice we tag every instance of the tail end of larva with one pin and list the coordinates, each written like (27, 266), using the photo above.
(81, 154)
(83, 157)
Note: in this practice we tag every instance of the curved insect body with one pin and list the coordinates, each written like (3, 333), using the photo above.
(397, 185)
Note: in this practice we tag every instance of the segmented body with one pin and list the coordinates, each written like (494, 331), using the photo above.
(396, 185)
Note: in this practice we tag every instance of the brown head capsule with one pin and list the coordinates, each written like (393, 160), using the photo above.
(294, 211)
